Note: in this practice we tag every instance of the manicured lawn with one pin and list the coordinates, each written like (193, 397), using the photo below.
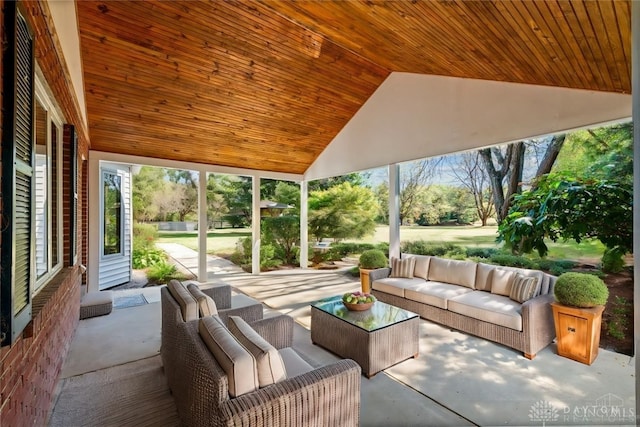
(225, 240)
(218, 241)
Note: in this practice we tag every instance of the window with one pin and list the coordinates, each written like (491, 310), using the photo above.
(112, 227)
(48, 192)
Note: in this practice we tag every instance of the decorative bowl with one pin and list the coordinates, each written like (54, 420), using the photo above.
(358, 307)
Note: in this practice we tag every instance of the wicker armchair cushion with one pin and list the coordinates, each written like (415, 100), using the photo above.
(269, 363)
(293, 363)
(235, 360)
(188, 304)
(501, 281)
(206, 304)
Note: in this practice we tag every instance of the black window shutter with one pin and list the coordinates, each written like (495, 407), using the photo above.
(17, 251)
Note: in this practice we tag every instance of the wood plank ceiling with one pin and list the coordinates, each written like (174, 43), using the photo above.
(268, 85)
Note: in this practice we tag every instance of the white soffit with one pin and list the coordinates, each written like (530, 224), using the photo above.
(413, 116)
(63, 13)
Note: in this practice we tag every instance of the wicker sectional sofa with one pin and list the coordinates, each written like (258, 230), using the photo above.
(485, 300)
(207, 393)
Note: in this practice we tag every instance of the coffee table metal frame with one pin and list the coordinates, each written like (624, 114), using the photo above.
(376, 339)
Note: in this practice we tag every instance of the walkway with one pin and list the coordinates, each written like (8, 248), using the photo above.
(186, 260)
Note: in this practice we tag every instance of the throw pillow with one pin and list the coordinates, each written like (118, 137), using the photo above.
(402, 267)
(524, 288)
(269, 362)
(206, 304)
(188, 304)
(235, 360)
(501, 281)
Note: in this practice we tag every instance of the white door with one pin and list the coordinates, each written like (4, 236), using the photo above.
(115, 225)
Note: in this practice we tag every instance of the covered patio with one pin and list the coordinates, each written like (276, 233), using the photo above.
(296, 91)
(457, 379)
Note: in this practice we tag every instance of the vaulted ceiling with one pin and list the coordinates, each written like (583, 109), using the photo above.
(268, 85)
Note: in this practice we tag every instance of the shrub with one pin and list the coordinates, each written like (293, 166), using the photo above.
(163, 272)
(373, 258)
(421, 247)
(144, 235)
(556, 267)
(581, 290)
(146, 257)
(481, 252)
(613, 260)
(512, 261)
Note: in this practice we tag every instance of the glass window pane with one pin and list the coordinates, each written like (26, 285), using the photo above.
(112, 214)
(41, 182)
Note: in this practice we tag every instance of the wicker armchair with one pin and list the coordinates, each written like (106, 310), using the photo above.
(172, 317)
(325, 396)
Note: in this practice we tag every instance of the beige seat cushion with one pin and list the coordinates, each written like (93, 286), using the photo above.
(421, 269)
(395, 285)
(452, 271)
(434, 293)
(488, 307)
(501, 281)
(269, 363)
(293, 363)
(402, 267)
(206, 304)
(188, 304)
(236, 361)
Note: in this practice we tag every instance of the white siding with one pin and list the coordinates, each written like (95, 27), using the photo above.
(116, 269)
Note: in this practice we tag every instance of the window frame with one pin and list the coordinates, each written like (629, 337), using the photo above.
(55, 118)
(121, 252)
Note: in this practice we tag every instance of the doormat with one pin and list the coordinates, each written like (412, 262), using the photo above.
(127, 301)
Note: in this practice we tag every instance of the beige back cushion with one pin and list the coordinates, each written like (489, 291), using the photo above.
(501, 281)
(484, 274)
(235, 360)
(402, 267)
(421, 269)
(188, 304)
(206, 304)
(269, 362)
(451, 271)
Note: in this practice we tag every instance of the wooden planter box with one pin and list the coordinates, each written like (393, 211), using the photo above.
(577, 331)
(364, 280)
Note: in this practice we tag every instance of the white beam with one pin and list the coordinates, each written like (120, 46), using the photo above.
(394, 210)
(203, 225)
(94, 224)
(255, 225)
(304, 224)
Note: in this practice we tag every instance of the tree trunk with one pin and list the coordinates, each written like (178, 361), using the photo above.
(515, 178)
(550, 156)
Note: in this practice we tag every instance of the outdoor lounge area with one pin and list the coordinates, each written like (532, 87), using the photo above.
(456, 380)
(302, 92)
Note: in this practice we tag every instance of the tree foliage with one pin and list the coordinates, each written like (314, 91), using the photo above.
(570, 208)
(283, 233)
(342, 212)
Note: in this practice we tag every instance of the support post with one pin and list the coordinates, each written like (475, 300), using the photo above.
(394, 210)
(635, 96)
(255, 225)
(304, 222)
(203, 225)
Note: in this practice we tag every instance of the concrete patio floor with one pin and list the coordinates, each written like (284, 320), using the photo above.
(457, 379)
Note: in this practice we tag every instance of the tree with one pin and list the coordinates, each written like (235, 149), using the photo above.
(505, 166)
(356, 179)
(472, 175)
(342, 212)
(414, 179)
(146, 183)
(186, 186)
(570, 208)
(283, 233)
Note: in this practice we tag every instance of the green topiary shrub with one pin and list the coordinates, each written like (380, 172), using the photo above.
(373, 258)
(581, 290)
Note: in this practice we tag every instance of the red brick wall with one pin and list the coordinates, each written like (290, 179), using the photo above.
(29, 368)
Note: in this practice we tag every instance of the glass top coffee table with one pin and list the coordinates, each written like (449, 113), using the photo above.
(376, 338)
